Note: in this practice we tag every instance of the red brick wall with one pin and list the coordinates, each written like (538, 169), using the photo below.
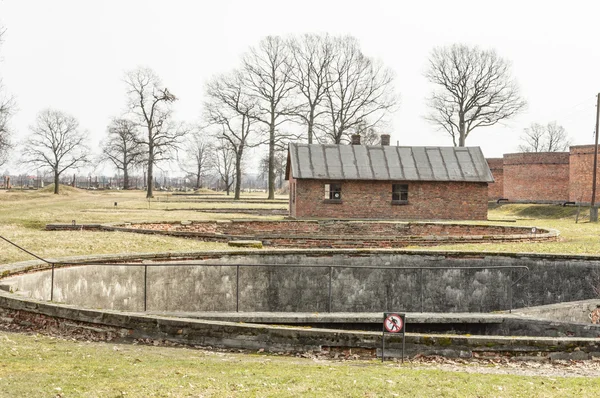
(580, 181)
(539, 176)
(292, 204)
(496, 188)
(373, 199)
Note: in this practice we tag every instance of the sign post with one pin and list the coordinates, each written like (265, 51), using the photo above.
(393, 323)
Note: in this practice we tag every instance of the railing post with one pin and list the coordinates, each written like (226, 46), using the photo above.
(510, 291)
(52, 284)
(330, 282)
(237, 289)
(421, 284)
(145, 288)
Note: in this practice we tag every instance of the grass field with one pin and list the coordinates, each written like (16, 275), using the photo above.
(38, 366)
(41, 366)
(23, 215)
(575, 238)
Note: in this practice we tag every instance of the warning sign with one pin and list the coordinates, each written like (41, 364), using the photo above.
(393, 323)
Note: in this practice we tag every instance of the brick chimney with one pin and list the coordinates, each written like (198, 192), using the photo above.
(355, 139)
(385, 139)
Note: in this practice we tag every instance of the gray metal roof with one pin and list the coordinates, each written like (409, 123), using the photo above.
(387, 163)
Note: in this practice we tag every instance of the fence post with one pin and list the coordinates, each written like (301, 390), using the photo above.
(52, 284)
(145, 288)
(510, 291)
(237, 289)
(421, 284)
(330, 278)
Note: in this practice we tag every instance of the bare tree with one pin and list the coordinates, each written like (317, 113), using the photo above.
(369, 134)
(198, 157)
(122, 148)
(7, 110)
(224, 164)
(474, 89)
(280, 165)
(361, 90)
(533, 138)
(311, 57)
(549, 138)
(267, 76)
(56, 142)
(150, 102)
(233, 110)
(558, 140)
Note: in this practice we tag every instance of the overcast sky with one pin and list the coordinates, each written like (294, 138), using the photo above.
(71, 55)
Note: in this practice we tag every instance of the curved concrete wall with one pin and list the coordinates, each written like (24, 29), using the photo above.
(275, 287)
(536, 176)
(552, 278)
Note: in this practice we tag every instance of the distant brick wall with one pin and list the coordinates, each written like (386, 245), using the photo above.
(540, 176)
(373, 199)
(496, 188)
(580, 181)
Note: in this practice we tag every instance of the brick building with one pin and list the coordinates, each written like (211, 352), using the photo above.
(387, 182)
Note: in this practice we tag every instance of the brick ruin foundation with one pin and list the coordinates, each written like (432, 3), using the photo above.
(330, 233)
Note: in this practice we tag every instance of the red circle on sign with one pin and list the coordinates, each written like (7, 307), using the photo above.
(393, 323)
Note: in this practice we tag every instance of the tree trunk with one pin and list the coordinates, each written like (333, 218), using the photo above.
(150, 176)
(461, 139)
(238, 174)
(338, 135)
(462, 127)
(56, 175)
(311, 122)
(125, 176)
(198, 179)
(272, 158)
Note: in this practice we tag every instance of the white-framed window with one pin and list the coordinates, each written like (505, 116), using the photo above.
(333, 191)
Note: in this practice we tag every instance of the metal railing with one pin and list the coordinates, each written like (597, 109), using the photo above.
(511, 282)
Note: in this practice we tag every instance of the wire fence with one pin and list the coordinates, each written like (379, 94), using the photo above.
(512, 279)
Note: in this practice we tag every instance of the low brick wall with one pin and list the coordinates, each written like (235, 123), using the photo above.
(331, 233)
(73, 227)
